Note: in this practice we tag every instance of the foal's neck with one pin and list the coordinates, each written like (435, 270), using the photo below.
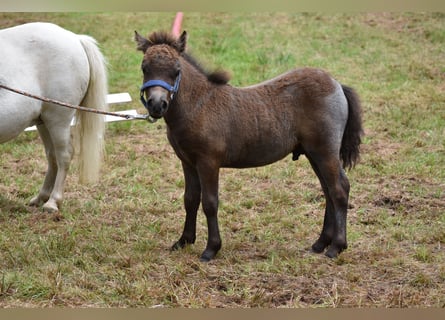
(194, 92)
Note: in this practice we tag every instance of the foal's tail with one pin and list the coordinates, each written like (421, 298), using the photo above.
(90, 127)
(350, 145)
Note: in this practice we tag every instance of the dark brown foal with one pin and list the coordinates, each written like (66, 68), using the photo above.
(211, 125)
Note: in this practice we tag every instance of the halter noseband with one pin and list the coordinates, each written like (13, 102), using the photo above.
(160, 83)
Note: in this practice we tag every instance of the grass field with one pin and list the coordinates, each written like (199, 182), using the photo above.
(109, 246)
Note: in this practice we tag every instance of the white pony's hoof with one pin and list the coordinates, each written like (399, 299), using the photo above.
(50, 207)
(35, 202)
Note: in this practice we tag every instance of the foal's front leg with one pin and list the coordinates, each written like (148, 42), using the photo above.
(192, 199)
(209, 177)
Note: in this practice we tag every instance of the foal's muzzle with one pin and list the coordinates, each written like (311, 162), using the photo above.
(157, 101)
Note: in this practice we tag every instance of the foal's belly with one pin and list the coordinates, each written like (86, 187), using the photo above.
(257, 156)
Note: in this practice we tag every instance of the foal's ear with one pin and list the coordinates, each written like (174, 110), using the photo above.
(142, 43)
(181, 42)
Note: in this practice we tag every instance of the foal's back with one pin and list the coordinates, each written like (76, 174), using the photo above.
(269, 120)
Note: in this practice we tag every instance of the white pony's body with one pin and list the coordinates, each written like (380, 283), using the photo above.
(46, 60)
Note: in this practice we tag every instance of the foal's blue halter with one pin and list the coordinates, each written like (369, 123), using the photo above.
(160, 83)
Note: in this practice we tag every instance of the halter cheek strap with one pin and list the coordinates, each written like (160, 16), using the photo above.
(160, 83)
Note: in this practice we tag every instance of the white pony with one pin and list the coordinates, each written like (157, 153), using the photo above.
(47, 60)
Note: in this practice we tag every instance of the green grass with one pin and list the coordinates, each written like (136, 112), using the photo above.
(109, 246)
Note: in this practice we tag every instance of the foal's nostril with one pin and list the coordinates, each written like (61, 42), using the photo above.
(164, 104)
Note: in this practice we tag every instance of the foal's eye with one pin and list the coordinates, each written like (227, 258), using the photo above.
(176, 69)
(175, 73)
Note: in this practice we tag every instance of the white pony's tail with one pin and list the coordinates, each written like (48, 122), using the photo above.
(90, 127)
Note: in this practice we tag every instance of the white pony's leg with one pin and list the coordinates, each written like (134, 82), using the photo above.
(58, 153)
(51, 172)
(61, 152)
(56, 197)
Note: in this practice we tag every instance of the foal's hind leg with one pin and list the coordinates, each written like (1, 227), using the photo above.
(335, 186)
(328, 222)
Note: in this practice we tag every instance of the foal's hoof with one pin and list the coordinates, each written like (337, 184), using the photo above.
(207, 255)
(177, 246)
(319, 246)
(181, 243)
(334, 251)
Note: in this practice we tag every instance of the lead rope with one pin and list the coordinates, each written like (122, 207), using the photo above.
(71, 106)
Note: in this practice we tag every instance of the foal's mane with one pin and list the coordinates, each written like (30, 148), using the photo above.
(161, 37)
